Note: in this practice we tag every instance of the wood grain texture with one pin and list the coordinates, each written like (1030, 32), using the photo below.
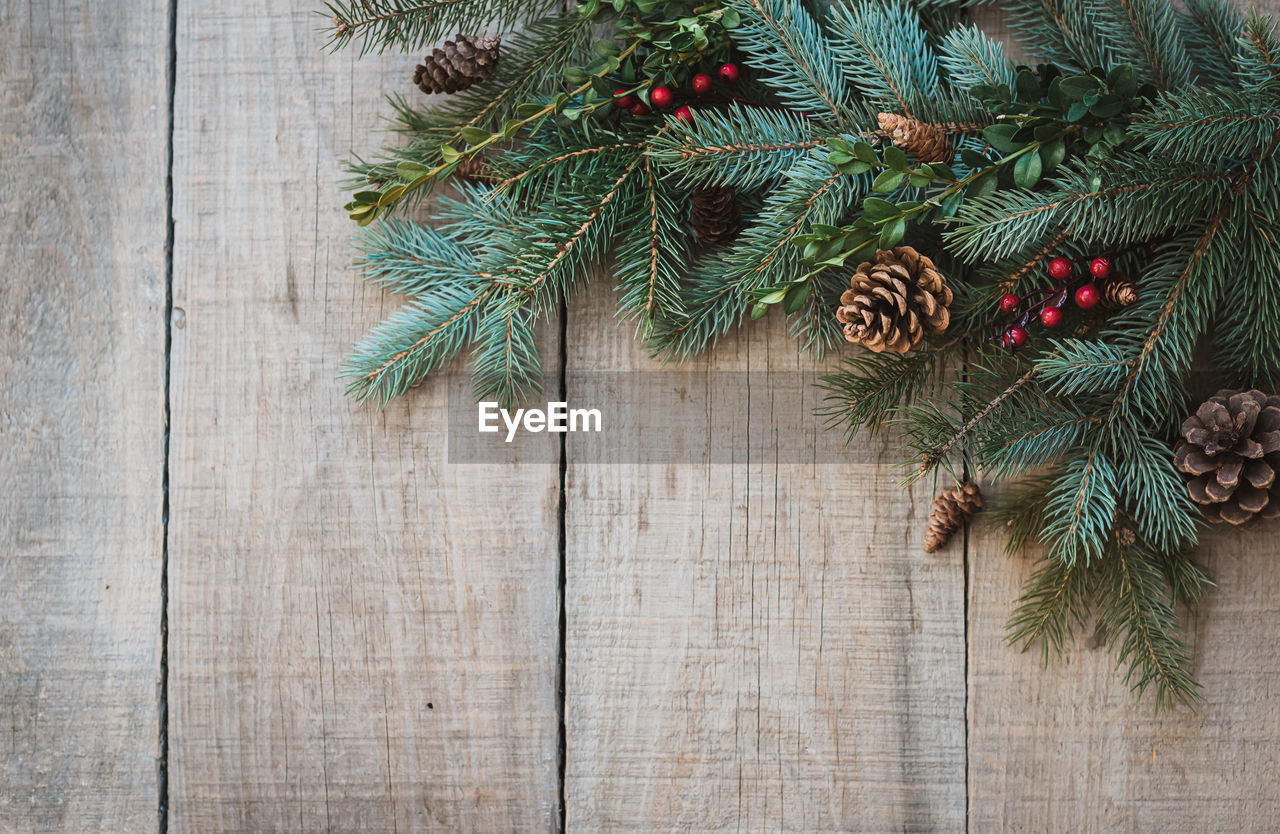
(757, 646)
(1068, 748)
(363, 638)
(82, 281)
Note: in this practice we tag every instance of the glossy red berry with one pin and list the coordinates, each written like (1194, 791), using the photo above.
(1014, 337)
(701, 83)
(1087, 297)
(639, 109)
(684, 114)
(661, 96)
(729, 73)
(1051, 316)
(1100, 267)
(623, 100)
(1060, 268)
(1010, 303)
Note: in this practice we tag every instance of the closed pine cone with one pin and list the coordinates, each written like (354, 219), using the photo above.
(715, 214)
(1119, 292)
(457, 65)
(893, 301)
(924, 141)
(1231, 449)
(952, 509)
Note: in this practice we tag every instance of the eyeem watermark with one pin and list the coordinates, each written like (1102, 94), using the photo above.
(558, 417)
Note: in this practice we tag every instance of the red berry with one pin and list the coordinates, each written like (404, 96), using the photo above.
(729, 73)
(639, 109)
(1014, 337)
(661, 96)
(1100, 267)
(1060, 268)
(1087, 297)
(1051, 316)
(623, 100)
(701, 83)
(1010, 303)
(684, 114)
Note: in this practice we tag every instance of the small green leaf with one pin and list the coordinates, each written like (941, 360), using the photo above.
(1028, 86)
(981, 187)
(865, 152)
(773, 297)
(887, 181)
(892, 233)
(1077, 111)
(1052, 154)
(474, 135)
(730, 19)
(449, 153)
(573, 76)
(391, 195)
(974, 159)
(1026, 171)
(874, 208)
(759, 310)
(796, 299)
(854, 168)
(1000, 137)
(366, 198)
(411, 170)
(895, 158)
(952, 204)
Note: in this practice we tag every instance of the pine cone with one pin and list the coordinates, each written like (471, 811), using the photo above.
(457, 65)
(715, 216)
(920, 139)
(1119, 292)
(474, 169)
(893, 301)
(952, 509)
(1231, 449)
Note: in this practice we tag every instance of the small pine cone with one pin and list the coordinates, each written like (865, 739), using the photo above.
(1119, 292)
(1230, 449)
(920, 139)
(952, 509)
(474, 169)
(457, 65)
(894, 301)
(715, 214)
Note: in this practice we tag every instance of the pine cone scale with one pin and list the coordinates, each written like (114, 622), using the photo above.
(715, 215)
(952, 509)
(457, 64)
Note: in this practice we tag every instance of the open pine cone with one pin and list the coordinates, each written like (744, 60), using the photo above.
(926, 142)
(457, 65)
(894, 300)
(1231, 449)
(952, 509)
(715, 214)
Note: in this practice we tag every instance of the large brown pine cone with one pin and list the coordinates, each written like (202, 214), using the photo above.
(926, 142)
(457, 65)
(893, 301)
(715, 214)
(952, 509)
(1230, 448)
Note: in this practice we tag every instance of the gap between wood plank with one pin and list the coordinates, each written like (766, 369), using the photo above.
(162, 684)
(562, 745)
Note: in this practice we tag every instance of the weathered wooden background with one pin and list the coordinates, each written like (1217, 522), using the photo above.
(357, 636)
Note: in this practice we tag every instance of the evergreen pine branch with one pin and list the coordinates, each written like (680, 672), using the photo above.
(740, 146)
(1032, 438)
(1259, 51)
(1210, 29)
(1060, 30)
(506, 364)
(783, 42)
(1054, 602)
(408, 258)
(885, 52)
(1207, 125)
(971, 58)
(1136, 609)
(1021, 510)
(414, 341)
(1081, 508)
(1079, 366)
(1246, 333)
(870, 387)
(1144, 33)
(407, 25)
(653, 256)
(1155, 496)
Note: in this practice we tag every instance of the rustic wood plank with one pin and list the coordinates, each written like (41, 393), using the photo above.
(82, 231)
(363, 637)
(755, 646)
(1069, 748)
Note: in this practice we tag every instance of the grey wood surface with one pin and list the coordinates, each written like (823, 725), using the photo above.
(365, 637)
(82, 289)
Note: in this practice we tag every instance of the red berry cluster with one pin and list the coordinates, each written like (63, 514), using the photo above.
(664, 97)
(1048, 309)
